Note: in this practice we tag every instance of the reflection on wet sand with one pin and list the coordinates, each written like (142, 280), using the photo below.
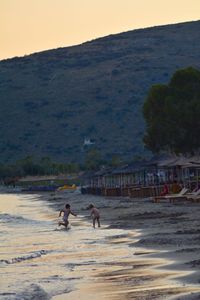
(126, 278)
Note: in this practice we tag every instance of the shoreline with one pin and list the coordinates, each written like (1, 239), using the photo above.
(168, 244)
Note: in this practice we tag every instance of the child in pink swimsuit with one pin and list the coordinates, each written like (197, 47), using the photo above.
(95, 215)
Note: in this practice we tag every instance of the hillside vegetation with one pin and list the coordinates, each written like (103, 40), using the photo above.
(50, 101)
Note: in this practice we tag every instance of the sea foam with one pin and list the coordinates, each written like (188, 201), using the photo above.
(23, 258)
(32, 292)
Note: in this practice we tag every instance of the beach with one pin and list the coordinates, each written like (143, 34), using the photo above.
(165, 247)
(143, 250)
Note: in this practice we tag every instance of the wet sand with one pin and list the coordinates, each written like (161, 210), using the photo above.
(162, 243)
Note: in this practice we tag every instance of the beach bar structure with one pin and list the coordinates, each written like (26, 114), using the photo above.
(145, 179)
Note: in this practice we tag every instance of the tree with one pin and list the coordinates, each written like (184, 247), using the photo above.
(172, 114)
(47, 166)
(116, 161)
(30, 166)
(93, 159)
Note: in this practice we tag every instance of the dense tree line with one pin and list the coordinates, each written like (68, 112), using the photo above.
(172, 114)
(31, 166)
(45, 166)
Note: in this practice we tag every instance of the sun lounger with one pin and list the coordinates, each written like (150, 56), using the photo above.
(172, 197)
(194, 197)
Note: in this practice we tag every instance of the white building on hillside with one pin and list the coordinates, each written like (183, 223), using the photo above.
(88, 142)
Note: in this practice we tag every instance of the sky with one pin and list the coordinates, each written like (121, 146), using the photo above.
(28, 26)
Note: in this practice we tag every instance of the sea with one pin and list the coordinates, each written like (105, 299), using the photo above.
(41, 260)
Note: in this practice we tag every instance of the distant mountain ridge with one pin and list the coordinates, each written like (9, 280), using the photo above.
(51, 101)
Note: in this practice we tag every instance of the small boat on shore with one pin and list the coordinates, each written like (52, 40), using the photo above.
(66, 188)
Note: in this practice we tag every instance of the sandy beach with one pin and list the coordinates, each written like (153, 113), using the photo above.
(165, 248)
(142, 251)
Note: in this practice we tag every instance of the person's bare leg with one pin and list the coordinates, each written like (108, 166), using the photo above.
(94, 222)
(98, 221)
(64, 224)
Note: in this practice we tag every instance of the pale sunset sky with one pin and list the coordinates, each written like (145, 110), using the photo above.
(28, 26)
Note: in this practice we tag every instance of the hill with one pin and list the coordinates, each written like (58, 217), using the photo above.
(50, 101)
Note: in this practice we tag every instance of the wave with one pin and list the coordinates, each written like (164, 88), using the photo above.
(7, 218)
(32, 292)
(25, 257)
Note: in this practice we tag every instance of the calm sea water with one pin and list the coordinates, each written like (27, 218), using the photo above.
(39, 260)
